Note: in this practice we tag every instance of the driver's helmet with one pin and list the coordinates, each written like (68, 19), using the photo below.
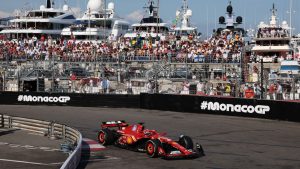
(140, 128)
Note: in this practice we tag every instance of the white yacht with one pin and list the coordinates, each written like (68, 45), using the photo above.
(184, 30)
(44, 21)
(272, 41)
(149, 27)
(98, 23)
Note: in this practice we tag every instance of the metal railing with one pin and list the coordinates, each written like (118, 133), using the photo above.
(50, 129)
(283, 96)
(107, 58)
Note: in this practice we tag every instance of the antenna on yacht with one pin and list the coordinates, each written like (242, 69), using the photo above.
(151, 7)
(273, 10)
(273, 20)
(229, 21)
(50, 3)
(229, 9)
(186, 15)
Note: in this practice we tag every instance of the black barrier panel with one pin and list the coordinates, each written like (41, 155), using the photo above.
(282, 110)
(70, 99)
(265, 109)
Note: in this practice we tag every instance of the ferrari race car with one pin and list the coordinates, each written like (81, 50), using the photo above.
(137, 138)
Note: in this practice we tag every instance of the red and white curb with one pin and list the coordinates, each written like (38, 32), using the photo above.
(91, 145)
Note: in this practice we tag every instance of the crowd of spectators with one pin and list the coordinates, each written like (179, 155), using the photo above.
(271, 58)
(272, 33)
(274, 91)
(224, 47)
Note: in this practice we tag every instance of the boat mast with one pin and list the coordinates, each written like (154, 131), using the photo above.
(153, 13)
(105, 15)
(157, 19)
(273, 21)
(89, 23)
(291, 7)
(184, 14)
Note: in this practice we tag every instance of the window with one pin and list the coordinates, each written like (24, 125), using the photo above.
(69, 17)
(43, 14)
(125, 27)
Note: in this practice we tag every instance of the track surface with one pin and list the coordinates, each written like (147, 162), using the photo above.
(26, 150)
(229, 142)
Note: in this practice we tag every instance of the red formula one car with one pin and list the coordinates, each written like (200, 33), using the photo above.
(137, 138)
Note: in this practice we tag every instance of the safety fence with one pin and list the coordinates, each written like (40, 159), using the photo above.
(51, 129)
(123, 57)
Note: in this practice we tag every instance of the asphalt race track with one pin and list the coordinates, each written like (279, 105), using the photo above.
(229, 142)
(22, 149)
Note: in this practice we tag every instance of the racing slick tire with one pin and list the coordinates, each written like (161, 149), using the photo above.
(106, 137)
(152, 148)
(186, 142)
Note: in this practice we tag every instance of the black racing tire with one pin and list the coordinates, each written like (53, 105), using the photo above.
(186, 142)
(106, 137)
(151, 148)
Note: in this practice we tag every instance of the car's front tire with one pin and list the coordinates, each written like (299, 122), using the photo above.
(186, 142)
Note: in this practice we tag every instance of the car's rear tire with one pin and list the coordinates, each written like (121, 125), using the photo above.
(152, 148)
(105, 137)
(186, 142)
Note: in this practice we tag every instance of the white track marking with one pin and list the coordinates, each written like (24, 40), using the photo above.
(107, 158)
(28, 146)
(14, 145)
(45, 148)
(3, 143)
(50, 150)
(29, 162)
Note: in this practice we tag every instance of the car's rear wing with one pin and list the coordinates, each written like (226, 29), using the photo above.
(108, 124)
